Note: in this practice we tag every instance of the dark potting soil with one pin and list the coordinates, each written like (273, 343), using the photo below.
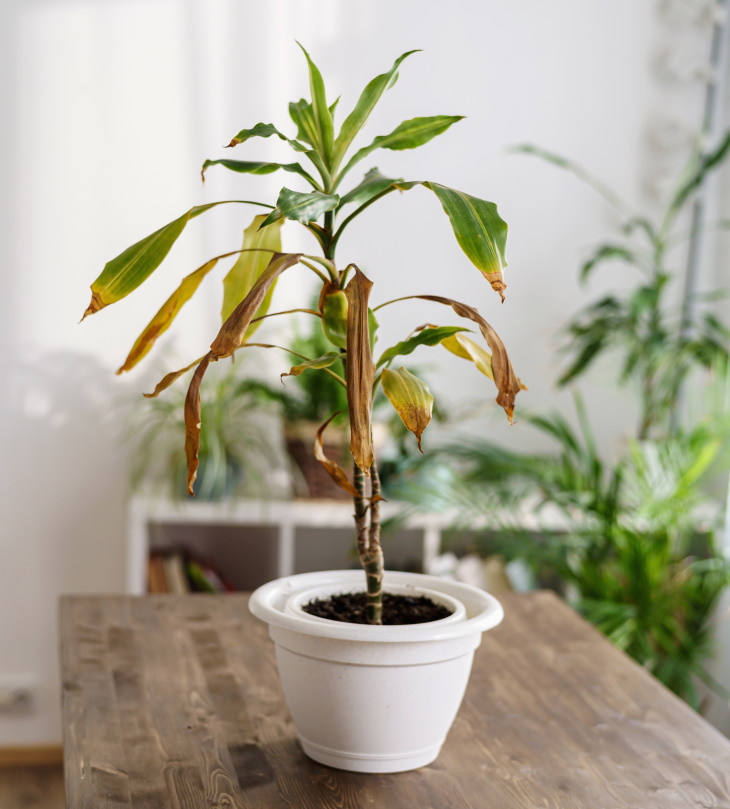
(397, 609)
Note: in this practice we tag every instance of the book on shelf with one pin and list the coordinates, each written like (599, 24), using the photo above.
(176, 571)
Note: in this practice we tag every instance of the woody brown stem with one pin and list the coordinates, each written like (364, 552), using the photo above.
(367, 527)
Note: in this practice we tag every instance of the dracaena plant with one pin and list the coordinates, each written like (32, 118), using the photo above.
(325, 159)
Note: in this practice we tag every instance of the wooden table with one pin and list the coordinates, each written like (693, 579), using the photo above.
(173, 702)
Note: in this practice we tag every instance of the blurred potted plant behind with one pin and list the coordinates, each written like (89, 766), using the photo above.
(638, 552)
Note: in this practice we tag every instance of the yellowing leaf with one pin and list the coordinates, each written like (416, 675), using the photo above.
(168, 379)
(320, 362)
(162, 321)
(360, 371)
(249, 266)
(465, 347)
(410, 397)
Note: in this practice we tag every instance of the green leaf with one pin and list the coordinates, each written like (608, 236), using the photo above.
(607, 252)
(302, 114)
(130, 268)
(333, 303)
(408, 135)
(254, 167)
(428, 336)
(263, 242)
(325, 361)
(373, 184)
(410, 397)
(707, 163)
(480, 231)
(365, 105)
(301, 207)
(321, 112)
(265, 131)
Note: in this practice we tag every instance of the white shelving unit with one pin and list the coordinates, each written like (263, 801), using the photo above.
(269, 538)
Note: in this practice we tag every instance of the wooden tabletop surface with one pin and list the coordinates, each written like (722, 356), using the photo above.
(173, 702)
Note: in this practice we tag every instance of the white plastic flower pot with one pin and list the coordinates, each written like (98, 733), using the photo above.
(373, 698)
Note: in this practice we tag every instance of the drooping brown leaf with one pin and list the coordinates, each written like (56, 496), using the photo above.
(333, 469)
(410, 397)
(505, 378)
(232, 332)
(192, 421)
(168, 379)
(360, 371)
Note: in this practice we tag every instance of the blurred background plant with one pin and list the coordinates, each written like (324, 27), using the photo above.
(240, 452)
(633, 542)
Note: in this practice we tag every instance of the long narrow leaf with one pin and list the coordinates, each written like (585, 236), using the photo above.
(265, 131)
(232, 333)
(359, 371)
(259, 244)
(192, 422)
(426, 336)
(333, 469)
(321, 111)
(254, 167)
(130, 268)
(462, 346)
(365, 105)
(373, 184)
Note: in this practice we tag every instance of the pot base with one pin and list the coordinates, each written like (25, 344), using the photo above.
(372, 764)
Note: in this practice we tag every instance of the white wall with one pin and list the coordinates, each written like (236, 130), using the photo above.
(110, 107)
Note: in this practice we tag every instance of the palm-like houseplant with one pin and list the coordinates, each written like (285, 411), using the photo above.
(348, 320)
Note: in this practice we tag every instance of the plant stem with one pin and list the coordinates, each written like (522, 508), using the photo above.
(368, 542)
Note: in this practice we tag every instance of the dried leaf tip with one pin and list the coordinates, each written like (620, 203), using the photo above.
(234, 142)
(95, 304)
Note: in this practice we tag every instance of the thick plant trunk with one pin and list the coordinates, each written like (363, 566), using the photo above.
(370, 552)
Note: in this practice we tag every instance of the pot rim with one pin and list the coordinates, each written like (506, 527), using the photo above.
(269, 603)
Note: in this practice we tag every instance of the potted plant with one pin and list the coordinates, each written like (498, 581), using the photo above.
(397, 668)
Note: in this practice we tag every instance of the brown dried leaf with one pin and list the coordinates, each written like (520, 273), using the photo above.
(232, 332)
(192, 421)
(360, 371)
(507, 382)
(334, 470)
(168, 379)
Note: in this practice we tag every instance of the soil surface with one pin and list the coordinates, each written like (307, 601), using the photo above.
(397, 609)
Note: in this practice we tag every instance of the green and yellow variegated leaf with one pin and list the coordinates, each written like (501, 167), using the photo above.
(365, 105)
(259, 244)
(130, 268)
(301, 207)
(410, 397)
(479, 230)
(359, 371)
(425, 336)
(330, 358)
(333, 469)
(333, 308)
(192, 422)
(232, 333)
(256, 167)
(162, 321)
(408, 135)
(465, 347)
(321, 113)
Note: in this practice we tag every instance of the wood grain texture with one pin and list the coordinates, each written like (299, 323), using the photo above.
(173, 702)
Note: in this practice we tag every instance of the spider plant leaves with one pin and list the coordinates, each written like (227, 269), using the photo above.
(506, 381)
(706, 164)
(425, 336)
(333, 469)
(134, 265)
(607, 252)
(322, 123)
(233, 331)
(301, 207)
(365, 105)
(256, 167)
(479, 230)
(169, 310)
(333, 308)
(259, 243)
(411, 399)
(359, 370)
(409, 134)
(464, 347)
